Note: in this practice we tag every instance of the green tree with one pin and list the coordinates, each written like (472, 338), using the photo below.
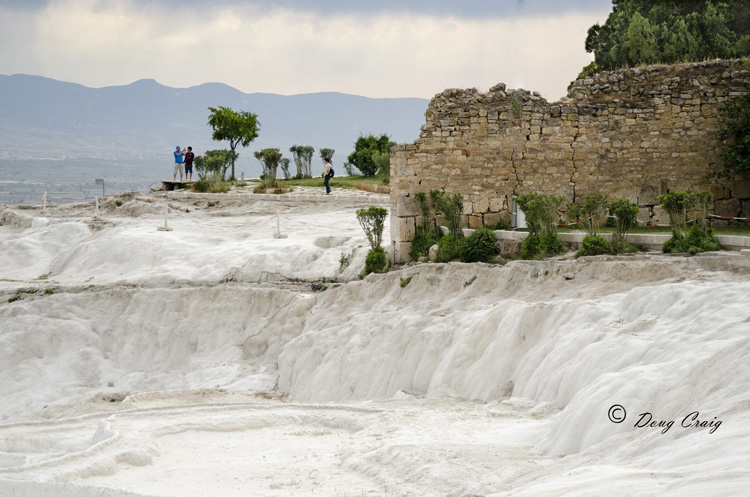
(239, 128)
(626, 213)
(372, 221)
(591, 212)
(654, 31)
(327, 154)
(302, 155)
(364, 148)
(542, 214)
(269, 159)
(640, 41)
(214, 163)
(285, 167)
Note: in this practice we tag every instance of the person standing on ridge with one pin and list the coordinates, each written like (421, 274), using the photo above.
(327, 175)
(178, 163)
(189, 156)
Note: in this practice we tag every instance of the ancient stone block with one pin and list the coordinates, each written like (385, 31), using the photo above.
(475, 221)
(741, 189)
(729, 207)
(496, 204)
(406, 206)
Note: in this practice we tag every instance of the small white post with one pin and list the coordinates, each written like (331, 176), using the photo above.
(96, 211)
(44, 202)
(166, 218)
(278, 226)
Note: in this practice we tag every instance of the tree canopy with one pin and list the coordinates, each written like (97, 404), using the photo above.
(270, 158)
(302, 155)
(238, 127)
(364, 148)
(656, 31)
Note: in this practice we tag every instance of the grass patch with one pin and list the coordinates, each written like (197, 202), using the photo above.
(347, 182)
(736, 230)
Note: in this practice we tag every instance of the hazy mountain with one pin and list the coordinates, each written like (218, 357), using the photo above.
(45, 118)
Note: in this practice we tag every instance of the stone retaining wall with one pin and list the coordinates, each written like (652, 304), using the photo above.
(633, 133)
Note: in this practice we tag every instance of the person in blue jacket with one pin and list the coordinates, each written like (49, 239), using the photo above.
(178, 154)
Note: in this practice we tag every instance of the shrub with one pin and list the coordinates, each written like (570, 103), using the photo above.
(541, 217)
(694, 241)
(550, 245)
(382, 162)
(452, 206)
(270, 158)
(591, 212)
(680, 206)
(501, 225)
(481, 246)
(213, 183)
(214, 162)
(541, 212)
(593, 245)
(449, 248)
(376, 261)
(626, 213)
(364, 148)
(539, 247)
(372, 221)
(530, 247)
(677, 204)
(422, 242)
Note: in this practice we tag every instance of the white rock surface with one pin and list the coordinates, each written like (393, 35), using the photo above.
(198, 362)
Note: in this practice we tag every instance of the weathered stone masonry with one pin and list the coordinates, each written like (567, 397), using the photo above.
(632, 133)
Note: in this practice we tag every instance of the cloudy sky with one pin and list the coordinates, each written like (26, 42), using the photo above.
(389, 48)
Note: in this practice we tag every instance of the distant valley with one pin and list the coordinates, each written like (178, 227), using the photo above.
(126, 134)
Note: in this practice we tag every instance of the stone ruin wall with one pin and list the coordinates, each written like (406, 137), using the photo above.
(632, 133)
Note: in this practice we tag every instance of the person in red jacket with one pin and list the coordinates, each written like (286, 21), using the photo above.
(189, 156)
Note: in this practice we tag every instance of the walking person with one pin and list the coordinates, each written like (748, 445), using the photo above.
(189, 156)
(327, 175)
(178, 154)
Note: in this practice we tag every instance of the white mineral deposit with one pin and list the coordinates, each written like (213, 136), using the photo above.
(199, 362)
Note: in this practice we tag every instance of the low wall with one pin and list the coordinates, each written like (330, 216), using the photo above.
(633, 133)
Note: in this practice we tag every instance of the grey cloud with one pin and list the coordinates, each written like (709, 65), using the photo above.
(465, 9)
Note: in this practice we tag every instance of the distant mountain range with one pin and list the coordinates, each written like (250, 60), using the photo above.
(45, 118)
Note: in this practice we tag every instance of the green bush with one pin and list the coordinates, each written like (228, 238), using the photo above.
(626, 213)
(423, 240)
(481, 246)
(452, 206)
(376, 261)
(593, 245)
(530, 247)
(684, 205)
(501, 225)
(695, 240)
(213, 183)
(382, 162)
(550, 245)
(541, 246)
(372, 221)
(591, 212)
(364, 147)
(449, 248)
(541, 212)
